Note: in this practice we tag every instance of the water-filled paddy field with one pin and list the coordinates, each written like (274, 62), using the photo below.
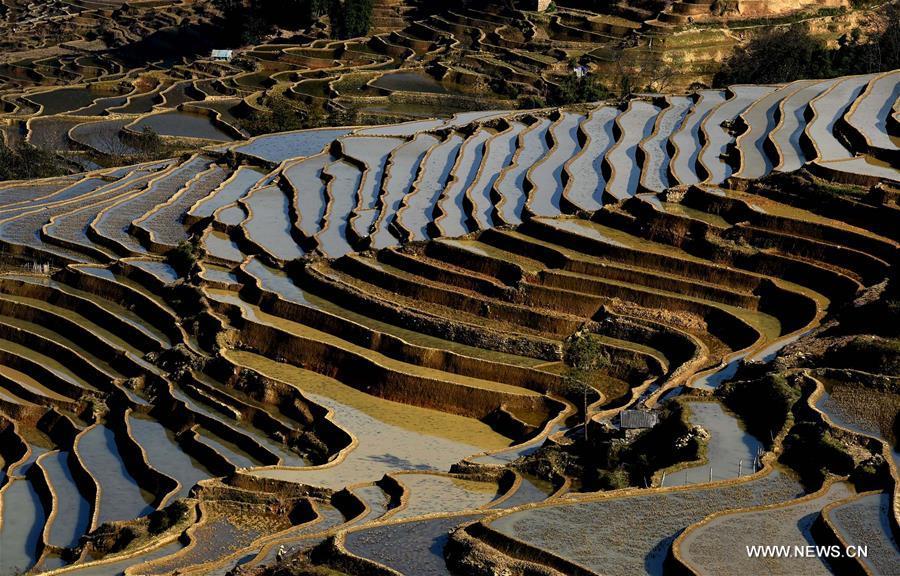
(351, 308)
(183, 124)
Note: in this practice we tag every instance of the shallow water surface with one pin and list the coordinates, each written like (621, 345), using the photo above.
(23, 521)
(183, 124)
(433, 493)
(730, 450)
(498, 154)
(631, 535)
(410, 82)
(686, 140)
(422, 552)
(419, 204)
(586, 170)
(120, 496)
(510, 184)
(73, 514)
(399, 175)
(453, 219)
(342, 190)
(708, 548)
(546, 176)
(867, 521)
(636, 123)
(219, 245)
(269, 223)
(236, 187)
(392, 436)
(165, 455)
(718, 137)
(278, 147)
(656, 155)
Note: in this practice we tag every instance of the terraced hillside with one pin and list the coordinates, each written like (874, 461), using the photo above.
(85, 78)
(335, 346)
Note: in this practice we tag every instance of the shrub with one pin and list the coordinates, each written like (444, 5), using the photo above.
(583, 355)
(529, 102)
(183, 257)
(149, 142)
(763, 404)
(162, 520)
(281, 116)
(26, 161)
(350, 18)
(778, 56)
(871, 474)
(572, 90)
(813, 451)
(612, 479)
(790, 54)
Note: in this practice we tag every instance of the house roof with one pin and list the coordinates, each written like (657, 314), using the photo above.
(638, 419)
(222, 53)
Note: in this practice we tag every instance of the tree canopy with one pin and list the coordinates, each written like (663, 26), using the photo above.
(785, 55)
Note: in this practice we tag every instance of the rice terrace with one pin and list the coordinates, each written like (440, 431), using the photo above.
(427, 288)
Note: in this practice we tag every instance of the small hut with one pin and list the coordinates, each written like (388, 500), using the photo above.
(222, 55)
(633, 422)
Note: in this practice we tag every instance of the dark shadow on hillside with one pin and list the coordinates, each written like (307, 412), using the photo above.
(171, 44)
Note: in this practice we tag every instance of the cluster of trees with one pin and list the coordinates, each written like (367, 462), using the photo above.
(789, 54)
(25, 161)
(282, 116)
(569, 90)
(249, 21)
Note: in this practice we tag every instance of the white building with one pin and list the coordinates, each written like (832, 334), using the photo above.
(222, 55)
